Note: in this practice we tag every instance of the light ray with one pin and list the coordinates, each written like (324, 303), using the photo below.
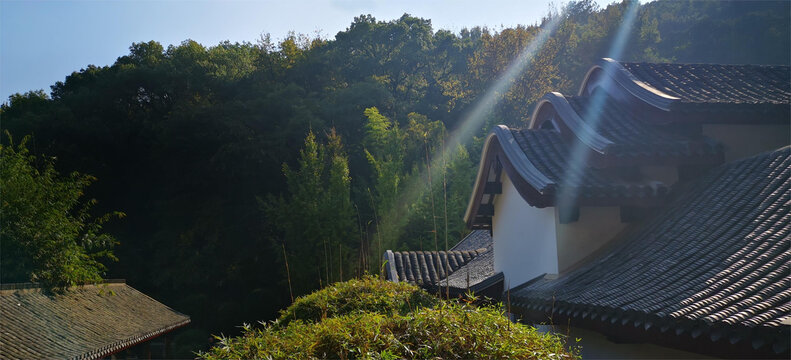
(578, 154)
(473, 120)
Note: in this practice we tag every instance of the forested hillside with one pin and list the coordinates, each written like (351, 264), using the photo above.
(230, 159)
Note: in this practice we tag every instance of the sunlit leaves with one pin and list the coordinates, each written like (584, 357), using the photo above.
(48, 233)
(372, 319)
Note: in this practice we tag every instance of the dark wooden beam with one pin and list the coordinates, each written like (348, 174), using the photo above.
(486, 210)
(483, 220)
(493, 188)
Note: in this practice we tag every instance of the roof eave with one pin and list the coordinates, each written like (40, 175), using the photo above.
(123, 345)
(717, 339)
(570, 123)
(532, 185)
(631, 84)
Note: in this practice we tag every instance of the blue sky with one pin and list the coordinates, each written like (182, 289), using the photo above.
(43, 41)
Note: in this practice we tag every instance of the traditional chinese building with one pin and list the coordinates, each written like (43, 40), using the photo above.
(650, 210)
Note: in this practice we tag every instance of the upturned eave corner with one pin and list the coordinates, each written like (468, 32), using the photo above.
(614, 71)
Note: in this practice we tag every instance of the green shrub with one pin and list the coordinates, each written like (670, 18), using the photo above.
(374, 319)
(368, 294)
(449, 331)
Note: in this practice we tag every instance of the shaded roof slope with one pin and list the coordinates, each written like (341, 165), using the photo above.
(632, 137)
(712, 93)
(622, 133)
(87, 322)
(719, 256)
(554, 159)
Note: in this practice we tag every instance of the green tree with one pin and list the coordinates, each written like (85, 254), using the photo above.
(419, 186)
(385, 150)
(494, 56)
(48, 233)
(316, 221)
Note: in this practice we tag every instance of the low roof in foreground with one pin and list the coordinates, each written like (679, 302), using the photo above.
(468, 265)
(87, 322)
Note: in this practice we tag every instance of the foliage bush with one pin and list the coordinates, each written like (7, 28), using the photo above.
(374, 319)
(367, 294)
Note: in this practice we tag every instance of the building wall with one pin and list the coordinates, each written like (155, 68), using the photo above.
(529, 241)
(524, 237)
(595, 227)
(746, 140)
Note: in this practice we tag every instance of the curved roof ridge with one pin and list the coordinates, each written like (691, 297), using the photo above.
(668, 86)
(615, 135)
(637, 87)
(538, 163)
(521, 163)
(573, 123)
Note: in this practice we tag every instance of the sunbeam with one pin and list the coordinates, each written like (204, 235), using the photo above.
(473, 120)
(592, 116)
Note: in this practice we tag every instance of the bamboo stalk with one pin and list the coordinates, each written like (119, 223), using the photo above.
(288, 273)
(445, 197)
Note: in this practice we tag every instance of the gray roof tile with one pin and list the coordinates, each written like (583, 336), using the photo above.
(632, 136)
(551, 156)
(720, 253)
(717, 83)
(87, 322)
(469, 263)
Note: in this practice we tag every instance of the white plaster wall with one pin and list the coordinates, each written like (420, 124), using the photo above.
(524, 237)
(596, 227)
(746, 140)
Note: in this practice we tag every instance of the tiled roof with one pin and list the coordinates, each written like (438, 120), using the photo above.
(428, 267)
(476, 239)
(719, 256)
(633, 137)
(470, 265)
(479, 270)
(551, 156)
(716, 83)
(87, 322)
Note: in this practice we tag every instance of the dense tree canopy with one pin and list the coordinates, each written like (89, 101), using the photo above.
(189, 141)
